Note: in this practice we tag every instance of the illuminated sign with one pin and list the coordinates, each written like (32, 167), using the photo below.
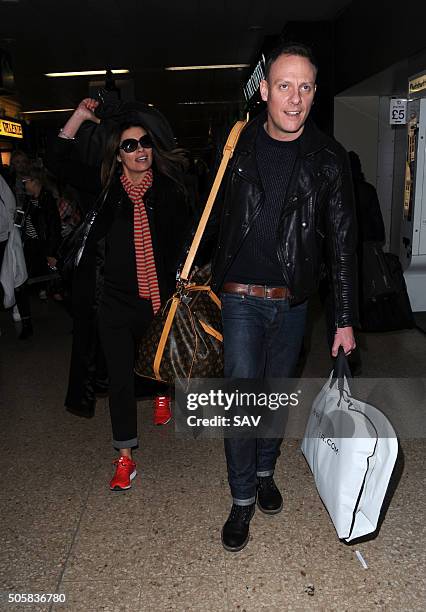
(417, 84)
(410, 164)
(10, 128)
(258, 74)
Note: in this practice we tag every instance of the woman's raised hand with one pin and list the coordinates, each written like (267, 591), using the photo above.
(86, 110)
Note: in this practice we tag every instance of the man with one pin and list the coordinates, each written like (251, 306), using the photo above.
(286, 198)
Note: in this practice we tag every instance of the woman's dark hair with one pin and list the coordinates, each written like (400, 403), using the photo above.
(37, 173)
(172, 164)
(290, 48)
(18, 153)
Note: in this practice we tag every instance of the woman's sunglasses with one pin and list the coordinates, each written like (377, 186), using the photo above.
(131, 144)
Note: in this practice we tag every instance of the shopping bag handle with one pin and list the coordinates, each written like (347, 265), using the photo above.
(341, 369)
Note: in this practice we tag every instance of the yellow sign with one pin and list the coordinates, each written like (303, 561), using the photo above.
(417, 84)
(10, 128)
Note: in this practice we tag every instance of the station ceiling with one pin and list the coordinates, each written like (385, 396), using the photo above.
(145, 36)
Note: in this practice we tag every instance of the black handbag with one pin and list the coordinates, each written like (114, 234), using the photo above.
(67, 253)
(185, 339)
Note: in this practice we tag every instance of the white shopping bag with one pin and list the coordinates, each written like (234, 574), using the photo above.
(351, 448)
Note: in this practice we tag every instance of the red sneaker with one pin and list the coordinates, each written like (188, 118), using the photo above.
(124, 474)
(162, 412)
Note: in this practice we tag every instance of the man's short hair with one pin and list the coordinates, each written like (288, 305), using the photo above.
(290, 48)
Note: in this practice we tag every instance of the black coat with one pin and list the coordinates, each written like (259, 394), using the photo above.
(46, 221)
(170, 219)
(318, 215)
(369, 214)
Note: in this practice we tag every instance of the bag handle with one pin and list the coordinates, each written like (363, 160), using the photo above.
(228, 151)
(341, 369)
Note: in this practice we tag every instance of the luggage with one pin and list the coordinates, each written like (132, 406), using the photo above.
(184, 340)
(388, 311)
(376, 276)
(351, 448)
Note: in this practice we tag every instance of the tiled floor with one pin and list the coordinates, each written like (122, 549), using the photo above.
(157, 547)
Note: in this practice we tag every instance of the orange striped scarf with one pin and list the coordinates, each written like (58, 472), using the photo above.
(145, 262)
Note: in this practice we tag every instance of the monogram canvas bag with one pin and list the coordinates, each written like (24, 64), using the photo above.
(185, 339)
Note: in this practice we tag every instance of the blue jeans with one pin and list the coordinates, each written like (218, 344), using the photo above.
(262, 339)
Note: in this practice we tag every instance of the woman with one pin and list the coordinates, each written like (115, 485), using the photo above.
(41, 236)
(13, 271)
(369, 215)
(129, 249)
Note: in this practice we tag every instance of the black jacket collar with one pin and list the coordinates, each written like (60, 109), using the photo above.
(311, 139)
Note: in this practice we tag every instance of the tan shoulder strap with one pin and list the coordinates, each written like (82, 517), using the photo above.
(228, 151)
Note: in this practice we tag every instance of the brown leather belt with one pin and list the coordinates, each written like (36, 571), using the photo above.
(263, 291)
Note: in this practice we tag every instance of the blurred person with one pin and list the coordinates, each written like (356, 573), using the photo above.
(68, 210)
(371, 238)
(369, 215)
(13, 272)
(371, 228)
(41, 236)
(125, 266)
(66, 200)
(7, 214)
(19, 164)
(4, 171)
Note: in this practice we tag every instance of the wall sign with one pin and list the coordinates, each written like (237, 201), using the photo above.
(398, 111)
(417, 84)
(252, 85)
(11, 129)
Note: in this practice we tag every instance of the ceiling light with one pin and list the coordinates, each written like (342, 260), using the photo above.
(211, 67)
(208, 102)
(84, 73)
(50, 110)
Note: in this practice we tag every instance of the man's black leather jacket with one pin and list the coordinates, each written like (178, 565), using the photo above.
(317, 223)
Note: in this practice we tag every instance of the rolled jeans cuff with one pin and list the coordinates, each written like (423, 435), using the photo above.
(125, 443)
(244, 502)
(265, 473)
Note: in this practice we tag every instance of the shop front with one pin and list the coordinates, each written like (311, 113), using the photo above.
(11, 133)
